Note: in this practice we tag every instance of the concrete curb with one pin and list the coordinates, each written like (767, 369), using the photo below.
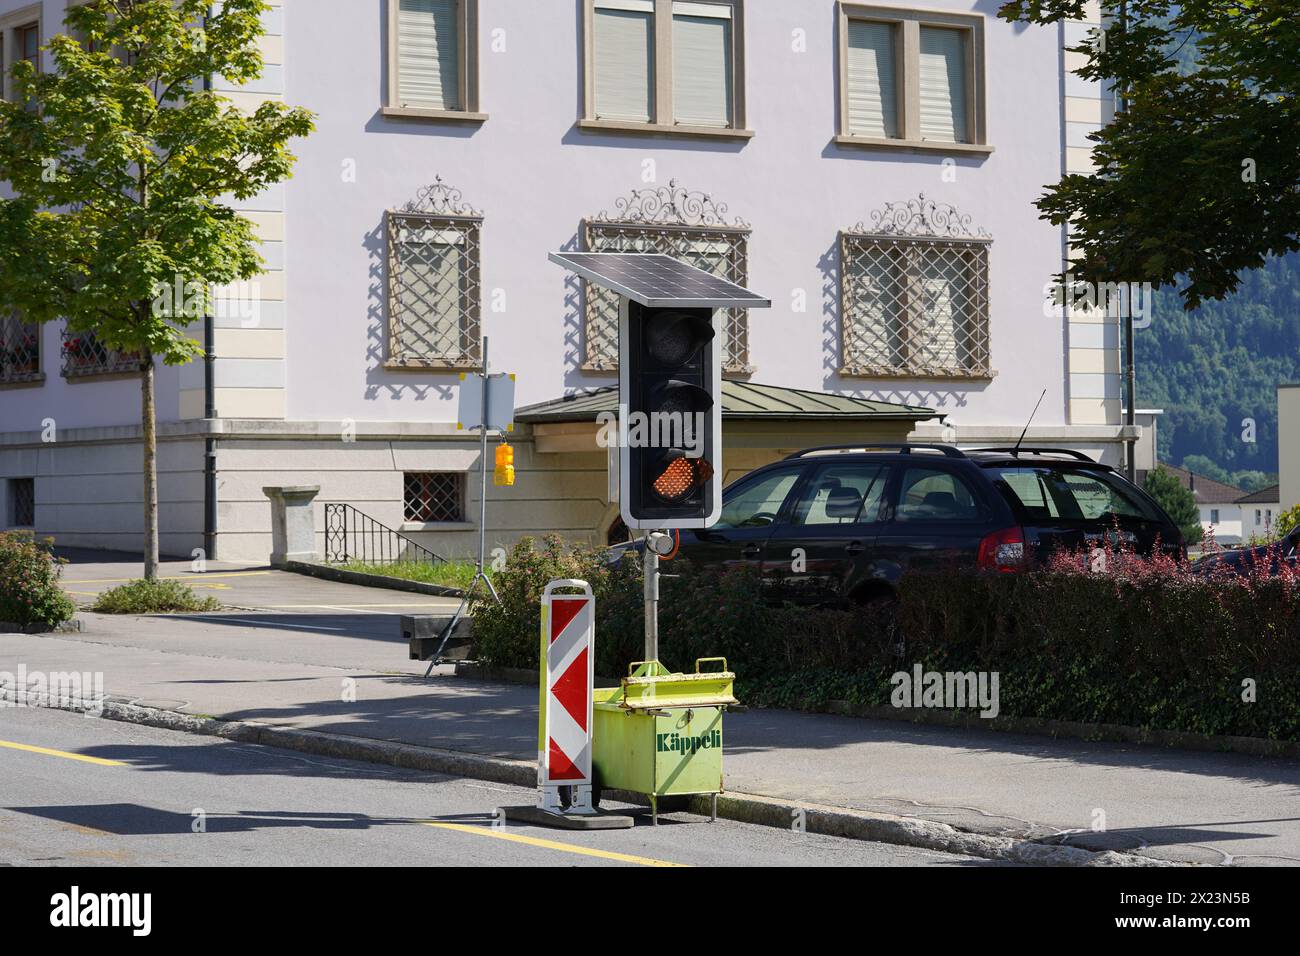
(741, 807)
(329, 573)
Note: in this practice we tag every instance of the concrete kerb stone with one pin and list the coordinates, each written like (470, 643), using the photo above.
(740, 807)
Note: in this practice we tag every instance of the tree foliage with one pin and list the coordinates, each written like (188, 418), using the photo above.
(1199, 179)
(1215, 371)
(1179, 502)
(122, 165)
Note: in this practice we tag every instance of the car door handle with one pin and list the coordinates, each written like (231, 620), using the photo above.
(855, 548)
(750, 551)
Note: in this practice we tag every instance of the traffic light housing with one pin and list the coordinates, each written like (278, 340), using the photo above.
(504, 473)
(670, 411)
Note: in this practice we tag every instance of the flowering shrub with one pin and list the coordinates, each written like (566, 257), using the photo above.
(29, 582)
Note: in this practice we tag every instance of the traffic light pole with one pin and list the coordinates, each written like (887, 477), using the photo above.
(651, 569)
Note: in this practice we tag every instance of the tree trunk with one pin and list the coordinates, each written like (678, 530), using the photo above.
(148, 420)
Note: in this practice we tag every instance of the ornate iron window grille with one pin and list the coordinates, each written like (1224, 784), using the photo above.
(20, 351)
(434, 281)
(676, 222)
(914, 294)
(22, 507)
(433, 496)
(84, 354)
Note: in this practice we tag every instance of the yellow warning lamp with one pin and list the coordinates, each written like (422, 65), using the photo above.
(504, 473)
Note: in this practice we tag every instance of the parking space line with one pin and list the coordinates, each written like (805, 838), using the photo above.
(61, 753)
(502, 834)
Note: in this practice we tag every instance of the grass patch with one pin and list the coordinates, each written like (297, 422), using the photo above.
(153, 597)
(452, 574)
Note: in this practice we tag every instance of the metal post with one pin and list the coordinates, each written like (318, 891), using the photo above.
(651, 568)
(1130, 366)
(482, 493)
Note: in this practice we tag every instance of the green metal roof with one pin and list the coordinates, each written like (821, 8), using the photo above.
(740, 400)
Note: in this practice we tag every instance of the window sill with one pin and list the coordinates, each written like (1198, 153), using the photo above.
(410, 526)
(30, 381)
(659, 129)
(913, 145)
(419, 113)
(431, 365)
(850, 371)
(115, 375)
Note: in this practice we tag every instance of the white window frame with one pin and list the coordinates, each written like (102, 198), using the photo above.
(467, 60)
(907, 24)
(10, 24)
(662, 116)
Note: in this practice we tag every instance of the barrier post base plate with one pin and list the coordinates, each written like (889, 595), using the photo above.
(599, 820)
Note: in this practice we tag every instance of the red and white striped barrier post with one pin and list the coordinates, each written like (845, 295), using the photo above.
(567, 676)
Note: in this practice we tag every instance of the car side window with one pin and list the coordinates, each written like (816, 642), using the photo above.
(843, 494)
(935, 494)
(758, 503)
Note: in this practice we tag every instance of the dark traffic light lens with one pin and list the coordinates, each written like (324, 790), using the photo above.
(680, 477)
(673, 338)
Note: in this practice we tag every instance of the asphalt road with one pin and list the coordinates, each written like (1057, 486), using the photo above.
(83, 791)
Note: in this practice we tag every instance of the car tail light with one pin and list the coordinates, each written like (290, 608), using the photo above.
(1003, 550)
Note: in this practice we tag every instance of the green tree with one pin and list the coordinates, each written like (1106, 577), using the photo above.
(1287, 521)
(119, 163)
(1199, 178)
(1179, 502)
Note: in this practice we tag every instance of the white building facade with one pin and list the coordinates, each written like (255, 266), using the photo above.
(869, 168)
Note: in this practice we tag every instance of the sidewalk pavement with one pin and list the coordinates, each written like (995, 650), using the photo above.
(339, 665)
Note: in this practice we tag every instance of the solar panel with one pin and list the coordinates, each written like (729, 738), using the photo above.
(659, 281)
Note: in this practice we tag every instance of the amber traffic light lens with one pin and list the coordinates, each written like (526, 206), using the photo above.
(681, 477)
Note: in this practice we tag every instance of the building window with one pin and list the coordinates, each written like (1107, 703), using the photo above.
(433, 59)
(1214, 516)
(676, 222)
(22, 503)
(434, 282)
(911, 78)
(20, 39)
(665, 64)
(84, 355)
(914, 299)
(433, 496)
(20, 351)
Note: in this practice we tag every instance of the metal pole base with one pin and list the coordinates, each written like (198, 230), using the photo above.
(589, 820)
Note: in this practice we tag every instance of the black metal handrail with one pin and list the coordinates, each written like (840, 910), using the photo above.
(352, 535)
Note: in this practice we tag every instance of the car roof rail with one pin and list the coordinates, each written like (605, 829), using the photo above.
(1015, 450)
(903, 448)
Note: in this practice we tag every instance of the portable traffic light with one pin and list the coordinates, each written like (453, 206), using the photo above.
(504, 473)
(670, 374)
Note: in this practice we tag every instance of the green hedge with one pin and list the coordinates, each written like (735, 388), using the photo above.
(1167, 653)
(29, 582)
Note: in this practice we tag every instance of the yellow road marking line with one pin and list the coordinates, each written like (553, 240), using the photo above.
(61, 753)
(501, 834)
(193, 575)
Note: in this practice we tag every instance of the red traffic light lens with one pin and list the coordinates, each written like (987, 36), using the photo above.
(680, 477)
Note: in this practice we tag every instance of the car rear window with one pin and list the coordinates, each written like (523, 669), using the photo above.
(1050, 492)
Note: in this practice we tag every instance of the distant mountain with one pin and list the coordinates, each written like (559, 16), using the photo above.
(1216, 367)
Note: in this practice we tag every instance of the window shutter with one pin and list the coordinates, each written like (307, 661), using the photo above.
(428, 54)
(942, 85)
(873, 80)
(702, 67)
(624, 62)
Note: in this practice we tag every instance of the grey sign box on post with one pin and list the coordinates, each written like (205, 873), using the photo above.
(500, 402)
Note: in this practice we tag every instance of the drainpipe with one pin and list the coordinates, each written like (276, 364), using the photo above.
(209, 416)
